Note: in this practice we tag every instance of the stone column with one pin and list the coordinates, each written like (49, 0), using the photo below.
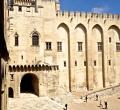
(89, 65)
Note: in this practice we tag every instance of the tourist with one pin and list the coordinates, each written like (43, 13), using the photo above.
(106, 106)
(96, 97)
(86, 98)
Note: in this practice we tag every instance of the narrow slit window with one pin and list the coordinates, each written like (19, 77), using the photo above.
(94, 62)
(84, 63)
(16, 39)
(20, 8)
(110, 40)
(109, 61)
(75, 63)
(80, 46)
(64, 63)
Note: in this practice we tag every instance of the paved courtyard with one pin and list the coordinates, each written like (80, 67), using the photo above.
(113, 104)
(32, 102)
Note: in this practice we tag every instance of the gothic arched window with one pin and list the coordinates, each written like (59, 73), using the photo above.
(16, 39)
(35, 39)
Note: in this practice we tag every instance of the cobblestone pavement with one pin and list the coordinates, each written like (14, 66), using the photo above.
(32, 102)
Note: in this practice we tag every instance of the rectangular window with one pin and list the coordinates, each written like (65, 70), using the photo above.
(48, 46)
(75, 63)
(20, 8)
(99, 46)
(80, 46)
(118, 47)
(84, 63)
(109, 61)
(64, 63)
(109, 39)
(59, 46)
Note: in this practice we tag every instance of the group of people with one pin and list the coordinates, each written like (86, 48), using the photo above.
(101, 105)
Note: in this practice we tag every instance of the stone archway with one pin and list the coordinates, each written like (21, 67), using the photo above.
(29, 84)
(10, 92)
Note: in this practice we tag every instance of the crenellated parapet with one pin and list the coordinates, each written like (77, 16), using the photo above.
(48, 0)
(87, 15)
(24, 2)
(32, 2)
(24, 68)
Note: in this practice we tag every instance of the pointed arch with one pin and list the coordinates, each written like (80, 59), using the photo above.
(82, 27)
(97, 26)
(80, 39)
(114, 54)
(116, 28)
(64, 26)
(35, 37)
(64, 36)
(98, 56)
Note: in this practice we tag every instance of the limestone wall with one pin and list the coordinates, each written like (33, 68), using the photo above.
(87, 69)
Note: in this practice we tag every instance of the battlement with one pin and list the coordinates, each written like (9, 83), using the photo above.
(24, 2)
(48, 0)
(32, 2)
(87, 15)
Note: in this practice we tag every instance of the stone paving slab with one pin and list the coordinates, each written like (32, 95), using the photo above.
(32, 102)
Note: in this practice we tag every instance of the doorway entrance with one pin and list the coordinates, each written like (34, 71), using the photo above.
(30, 84)
(10, 92)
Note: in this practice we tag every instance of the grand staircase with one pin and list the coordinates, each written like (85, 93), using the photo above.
(28, 101)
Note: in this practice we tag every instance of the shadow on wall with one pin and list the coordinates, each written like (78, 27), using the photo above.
(3, 49)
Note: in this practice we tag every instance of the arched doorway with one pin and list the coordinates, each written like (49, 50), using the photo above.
(29, 84)
(10, 92)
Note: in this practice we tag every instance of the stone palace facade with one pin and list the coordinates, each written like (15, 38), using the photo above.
(53, 51)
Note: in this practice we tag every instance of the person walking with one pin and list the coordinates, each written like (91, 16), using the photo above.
(96, 97)
(106, 105)
(86, 98)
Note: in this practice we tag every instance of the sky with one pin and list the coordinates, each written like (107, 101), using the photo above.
(96, 6)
